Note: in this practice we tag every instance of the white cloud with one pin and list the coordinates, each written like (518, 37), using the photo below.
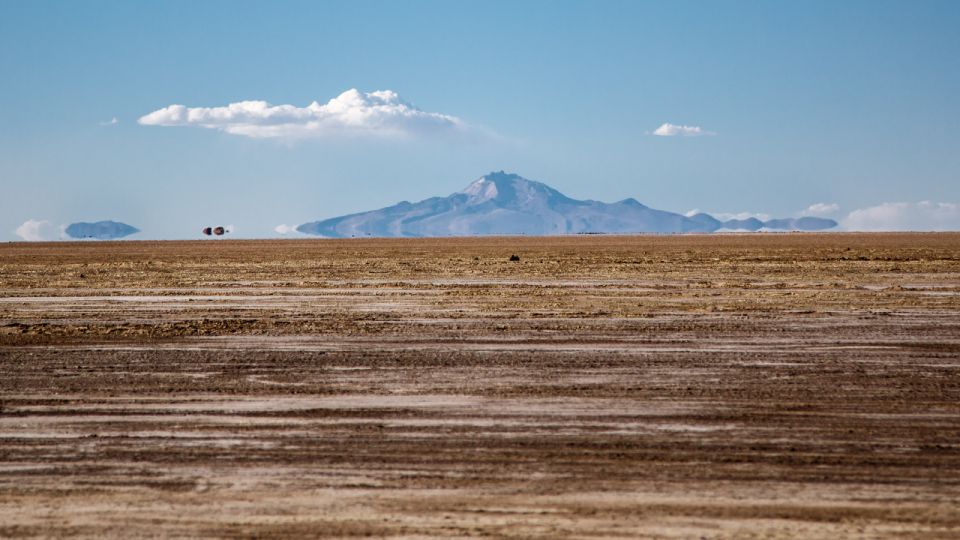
(905, 216)
(672, 130)
(821, 209)
(285, 229)
(112, 122)
(33, 230)
(352, 113)
(724, 216)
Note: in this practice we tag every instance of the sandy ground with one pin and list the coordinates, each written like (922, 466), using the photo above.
(727, 386)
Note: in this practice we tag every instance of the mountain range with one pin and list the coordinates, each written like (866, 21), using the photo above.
(504, 203)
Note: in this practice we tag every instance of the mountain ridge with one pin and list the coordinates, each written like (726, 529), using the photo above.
(100, 230)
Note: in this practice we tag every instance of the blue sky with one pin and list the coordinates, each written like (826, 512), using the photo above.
(847, 104)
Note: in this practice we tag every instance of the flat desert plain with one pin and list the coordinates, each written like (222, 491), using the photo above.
(724, 386)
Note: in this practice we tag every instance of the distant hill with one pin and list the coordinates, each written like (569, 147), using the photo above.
(101, 230)
(503, 203)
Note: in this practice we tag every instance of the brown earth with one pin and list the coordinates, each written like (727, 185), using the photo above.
(748, 386)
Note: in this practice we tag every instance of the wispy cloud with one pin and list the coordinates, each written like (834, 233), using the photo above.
(285, 229)
(821, 209)
(905, 216)
(111, 122)
(353, 113)
(36, 230)
(673, 130)
(724, 216)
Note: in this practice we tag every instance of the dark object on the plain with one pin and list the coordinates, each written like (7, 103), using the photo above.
(514, 258)
(218, 231)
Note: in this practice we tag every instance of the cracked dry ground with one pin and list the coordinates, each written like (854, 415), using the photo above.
(779, 385)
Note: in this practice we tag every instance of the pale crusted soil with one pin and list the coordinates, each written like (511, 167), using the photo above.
(742, 386)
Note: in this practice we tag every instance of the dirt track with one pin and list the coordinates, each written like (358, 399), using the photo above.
(778, 385)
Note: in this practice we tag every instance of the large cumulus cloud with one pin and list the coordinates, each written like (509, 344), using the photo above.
(352, 113)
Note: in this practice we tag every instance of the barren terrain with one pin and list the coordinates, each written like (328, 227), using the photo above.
(748, 386)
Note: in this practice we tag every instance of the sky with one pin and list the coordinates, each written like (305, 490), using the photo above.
(176, 115)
